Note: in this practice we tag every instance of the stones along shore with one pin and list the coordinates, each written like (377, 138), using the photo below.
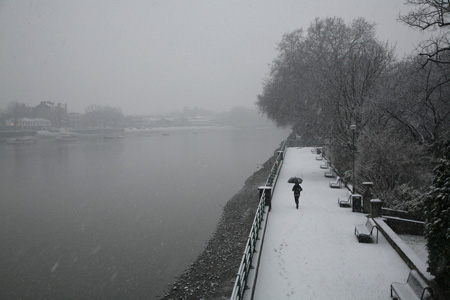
(213, 274)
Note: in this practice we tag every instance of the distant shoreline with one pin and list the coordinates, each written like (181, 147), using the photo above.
(213, 273)
(13, 134)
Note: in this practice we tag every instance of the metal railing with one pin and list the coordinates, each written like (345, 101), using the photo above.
(240, 285)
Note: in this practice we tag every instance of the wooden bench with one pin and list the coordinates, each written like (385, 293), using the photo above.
(337, 184)
(346, 202)
(414, 288)
(324, 166)
(319, 158)
(364, 232)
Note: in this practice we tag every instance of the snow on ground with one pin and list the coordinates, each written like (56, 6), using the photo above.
(312, 252)
(418, 244)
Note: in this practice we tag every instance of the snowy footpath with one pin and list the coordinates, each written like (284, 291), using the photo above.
(312, 252)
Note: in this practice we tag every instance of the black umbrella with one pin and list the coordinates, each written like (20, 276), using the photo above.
(295, 180)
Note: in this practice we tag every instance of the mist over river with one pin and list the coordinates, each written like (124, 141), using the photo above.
(98, 218)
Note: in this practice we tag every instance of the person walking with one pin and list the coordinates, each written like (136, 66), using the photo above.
(297, 189)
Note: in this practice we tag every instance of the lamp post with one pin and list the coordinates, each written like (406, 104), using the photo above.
(353, 128)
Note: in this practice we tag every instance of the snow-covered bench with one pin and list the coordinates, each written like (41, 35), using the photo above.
(319, 158)
(317, 150)
(337, 184)
(324, 166)
(364, 232)
(414, 288)
(347, 201)
(329, 174)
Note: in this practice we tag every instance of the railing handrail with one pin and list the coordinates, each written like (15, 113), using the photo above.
(240, 283)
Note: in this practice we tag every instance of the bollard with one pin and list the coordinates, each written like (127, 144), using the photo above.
(268, 195)
(281, 153)
(367, 196)
(375, 208)
(356, 202)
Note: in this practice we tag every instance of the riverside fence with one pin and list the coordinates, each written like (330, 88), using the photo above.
(240, 284)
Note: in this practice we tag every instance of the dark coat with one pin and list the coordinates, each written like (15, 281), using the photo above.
(297, 189)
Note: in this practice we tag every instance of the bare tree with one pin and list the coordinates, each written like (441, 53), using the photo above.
(416, 102)
(431, 15)
(322, 83)
(13, 111)
(102, 116)
(387, 158)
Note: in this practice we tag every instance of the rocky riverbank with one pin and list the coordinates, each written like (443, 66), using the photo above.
(213, 274)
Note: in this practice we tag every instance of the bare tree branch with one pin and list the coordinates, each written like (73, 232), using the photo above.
(431, 15)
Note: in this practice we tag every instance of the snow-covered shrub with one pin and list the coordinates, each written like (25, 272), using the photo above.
(341, 159)
(390, 161)
(409, 199)
(347, 176)
(438, 221)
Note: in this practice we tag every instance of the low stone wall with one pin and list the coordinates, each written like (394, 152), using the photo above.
(405, 226)
(405, 252)
(402, 214)
(410, 257)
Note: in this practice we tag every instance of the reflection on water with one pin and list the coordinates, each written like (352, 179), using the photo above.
(103, 218)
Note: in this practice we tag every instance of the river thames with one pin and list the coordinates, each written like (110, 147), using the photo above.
(97, 218)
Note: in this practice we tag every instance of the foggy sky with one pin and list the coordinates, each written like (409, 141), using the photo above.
(159, 56)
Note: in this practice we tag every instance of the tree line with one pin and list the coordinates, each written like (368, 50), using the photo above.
(334, 75)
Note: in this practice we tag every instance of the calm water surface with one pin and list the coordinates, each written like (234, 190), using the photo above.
(117, 219)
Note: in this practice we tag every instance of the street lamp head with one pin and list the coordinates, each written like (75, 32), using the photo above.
(353, 127)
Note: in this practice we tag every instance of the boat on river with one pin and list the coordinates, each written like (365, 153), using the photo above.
(21, 140)
(113, 136)
(66, 137)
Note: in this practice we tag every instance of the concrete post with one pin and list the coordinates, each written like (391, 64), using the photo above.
(281, 153)
(367, 196)
(375, 208)
(268, 195)
(356, 202)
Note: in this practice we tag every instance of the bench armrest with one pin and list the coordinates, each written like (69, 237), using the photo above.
(430, 291)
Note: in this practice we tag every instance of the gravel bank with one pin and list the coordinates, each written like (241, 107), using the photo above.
(213, 274)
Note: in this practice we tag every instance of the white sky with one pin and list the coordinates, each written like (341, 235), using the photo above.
(161, 55)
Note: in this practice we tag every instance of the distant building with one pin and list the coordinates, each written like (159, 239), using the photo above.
(75, 120)
(55, 113)
(43, 110)
(23, 111)
(29, 124)
(22, 115)
(200, 121)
